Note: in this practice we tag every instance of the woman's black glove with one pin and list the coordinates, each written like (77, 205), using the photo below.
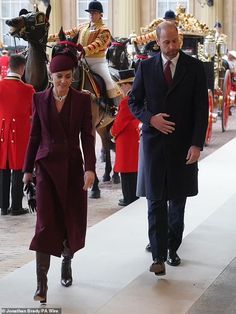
(30, 191)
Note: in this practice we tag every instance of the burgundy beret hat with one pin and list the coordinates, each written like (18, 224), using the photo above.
(62, 62)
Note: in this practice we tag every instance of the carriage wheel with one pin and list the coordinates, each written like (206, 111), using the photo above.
(226, 100)
(210, 119)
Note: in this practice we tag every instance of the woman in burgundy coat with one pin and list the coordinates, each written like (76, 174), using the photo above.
(126, 133)
(61, 126)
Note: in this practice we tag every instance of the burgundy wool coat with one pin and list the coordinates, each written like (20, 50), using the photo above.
(60, 166)
(126, 133)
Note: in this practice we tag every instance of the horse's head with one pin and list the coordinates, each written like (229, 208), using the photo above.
(31, 26)
(117, 53)
(67, 45)
(151, 48)
(144, 52)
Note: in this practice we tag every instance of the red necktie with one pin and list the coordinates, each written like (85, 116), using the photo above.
(167, 73)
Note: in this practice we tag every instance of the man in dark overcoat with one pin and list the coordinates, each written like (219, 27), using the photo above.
(169, 96)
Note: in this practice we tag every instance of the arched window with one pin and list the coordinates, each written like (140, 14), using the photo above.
(164, 5)
(82, 15)
(8, 10)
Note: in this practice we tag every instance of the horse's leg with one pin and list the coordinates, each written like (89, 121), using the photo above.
(106, 177)
(95, 191)
(103, 155)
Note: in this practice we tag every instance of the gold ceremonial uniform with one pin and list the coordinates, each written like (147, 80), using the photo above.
(94, 37)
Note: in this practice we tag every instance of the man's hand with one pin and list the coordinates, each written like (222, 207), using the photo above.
(89, 178)
(193, 155)
(160, 123)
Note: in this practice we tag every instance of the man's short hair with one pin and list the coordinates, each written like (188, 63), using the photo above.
(164, 25)
(16, 61)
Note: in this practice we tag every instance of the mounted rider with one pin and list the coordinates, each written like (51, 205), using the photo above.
(95, 38)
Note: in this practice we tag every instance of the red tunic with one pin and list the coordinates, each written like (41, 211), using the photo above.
(15, 113)
(4, 65)
(126, 133)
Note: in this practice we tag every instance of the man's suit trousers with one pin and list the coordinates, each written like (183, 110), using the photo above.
(165, 226)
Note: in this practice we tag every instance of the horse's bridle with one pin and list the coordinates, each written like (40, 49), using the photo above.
(31, 21)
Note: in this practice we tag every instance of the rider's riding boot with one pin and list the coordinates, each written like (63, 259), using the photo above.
(66, 271)
(42, 266)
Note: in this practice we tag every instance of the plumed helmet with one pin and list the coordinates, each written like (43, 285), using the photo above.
(169, 15)
(95, 6)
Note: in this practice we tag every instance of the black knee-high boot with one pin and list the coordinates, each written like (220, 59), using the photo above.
(42, 267)
(66, 271)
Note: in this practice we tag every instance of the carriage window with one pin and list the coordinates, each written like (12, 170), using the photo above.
(82, 15)
(10, 9)
(164, 5)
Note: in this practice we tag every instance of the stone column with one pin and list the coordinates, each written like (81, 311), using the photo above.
(209, 15)
(63, 14)
(127, 17)
(230, 23)
(55, 16)
(148, 12)
(68, 9)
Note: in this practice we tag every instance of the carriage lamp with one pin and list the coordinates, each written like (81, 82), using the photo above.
(221, 47)
(131, 51)
(130, 47)
(209, 46)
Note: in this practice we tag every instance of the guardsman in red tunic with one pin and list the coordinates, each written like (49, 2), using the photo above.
(126, 134)
(15, 113)
(4, 64)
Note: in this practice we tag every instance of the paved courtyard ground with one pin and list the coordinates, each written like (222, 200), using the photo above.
(16, 231)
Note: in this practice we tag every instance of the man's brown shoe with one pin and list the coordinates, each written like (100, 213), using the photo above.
(158, 267)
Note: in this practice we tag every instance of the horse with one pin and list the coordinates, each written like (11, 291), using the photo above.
(144, 52)
(33, 27)
(103, 115)
(117, 54)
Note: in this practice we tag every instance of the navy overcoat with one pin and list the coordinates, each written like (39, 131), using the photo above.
(60, 166)
(166, 174)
